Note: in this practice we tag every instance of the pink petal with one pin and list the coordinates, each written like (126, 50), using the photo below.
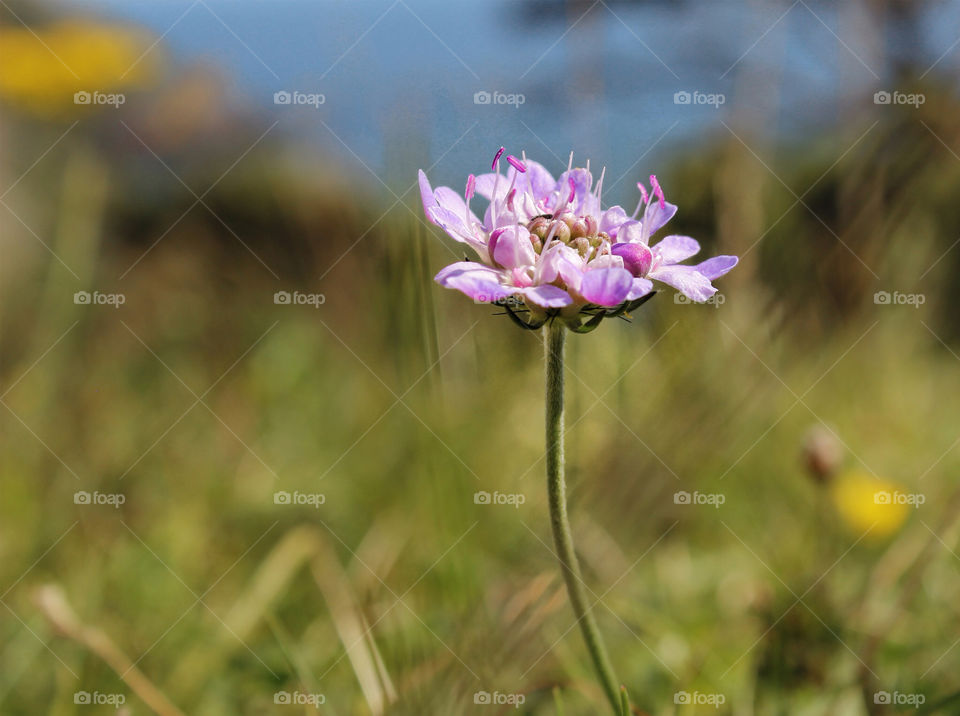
(606, 286)
(547, 296)
(687, 280)
(481, 283)
(512, 248)
(717, 266)
(674, 249)
(655, 217)
(639, 288)
(426, 195)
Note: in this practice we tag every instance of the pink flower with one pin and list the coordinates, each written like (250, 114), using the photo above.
(661, 262)
(549, 244)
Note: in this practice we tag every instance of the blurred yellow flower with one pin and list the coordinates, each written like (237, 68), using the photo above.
(43, 67)
(864, 501)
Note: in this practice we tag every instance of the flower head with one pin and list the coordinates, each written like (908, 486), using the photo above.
(868, 504)
(549, 244)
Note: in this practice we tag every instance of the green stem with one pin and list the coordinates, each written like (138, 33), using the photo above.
(562, 537)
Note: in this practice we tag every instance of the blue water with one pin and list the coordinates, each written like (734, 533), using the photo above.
(399, 78)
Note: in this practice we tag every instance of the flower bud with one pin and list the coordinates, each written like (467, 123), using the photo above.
(822, 453)
(582, 245)
(540, 227)
(637, 258)
(561, 230)
(579, 228)
(592, 225)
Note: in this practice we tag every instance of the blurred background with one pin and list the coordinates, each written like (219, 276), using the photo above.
(255, 461)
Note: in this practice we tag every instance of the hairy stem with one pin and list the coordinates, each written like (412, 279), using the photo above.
(562, 537)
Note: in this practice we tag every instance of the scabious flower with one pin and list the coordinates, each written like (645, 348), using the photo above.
(549, 244)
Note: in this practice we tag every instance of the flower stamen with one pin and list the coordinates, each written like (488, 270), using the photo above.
(655, 185)
(644, 199)
(494, 166)
(493, 198)
(516, 164)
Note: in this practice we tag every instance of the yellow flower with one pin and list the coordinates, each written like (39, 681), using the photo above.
(43, 67)
(864, 501)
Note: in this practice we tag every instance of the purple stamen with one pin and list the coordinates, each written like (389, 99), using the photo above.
(573, 189)
(513, 192)
(516, 163)
(496, 159)
(644, 200)
(655, 185)
(471, 185)
(643, 192)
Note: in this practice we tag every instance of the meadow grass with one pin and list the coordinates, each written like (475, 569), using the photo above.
(200, 398)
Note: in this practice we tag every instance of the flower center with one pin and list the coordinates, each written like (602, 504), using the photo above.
(579, 232)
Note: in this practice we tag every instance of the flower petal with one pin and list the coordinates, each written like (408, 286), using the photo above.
(606, 286)
(450, 200)
(612, 219)
(687, 280)
(717, 266)
(457, 229)
(547, 296)
(481, 283)
(539, 181)
(605, 261)
(512, 248)
(640, 287)
(631, 232)
(426, 195)
(674, 249)
(654, 217)
(582, 182)
(560, 260)
(485, 183)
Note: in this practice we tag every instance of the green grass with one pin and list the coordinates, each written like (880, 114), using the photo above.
(398, 402)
